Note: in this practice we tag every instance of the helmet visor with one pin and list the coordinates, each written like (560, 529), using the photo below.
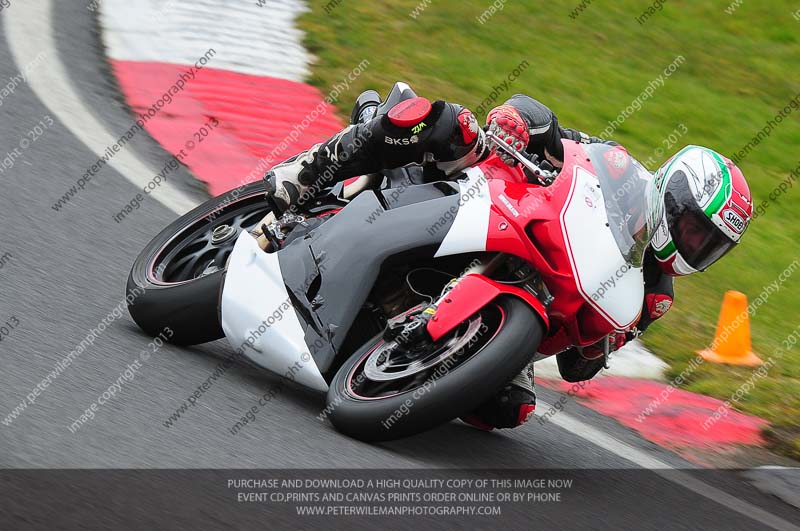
(698, 240)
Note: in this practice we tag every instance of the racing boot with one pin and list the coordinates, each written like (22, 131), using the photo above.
(579, 365)
(347, 154)
(511, 407)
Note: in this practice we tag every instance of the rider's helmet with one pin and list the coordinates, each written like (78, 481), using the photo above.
(708, 208)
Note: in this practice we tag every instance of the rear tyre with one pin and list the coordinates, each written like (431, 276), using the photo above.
(381, 394)
(176, 280)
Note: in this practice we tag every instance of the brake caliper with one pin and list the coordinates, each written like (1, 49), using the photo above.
(411, 327)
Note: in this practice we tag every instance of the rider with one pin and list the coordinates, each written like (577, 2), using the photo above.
(708, 202)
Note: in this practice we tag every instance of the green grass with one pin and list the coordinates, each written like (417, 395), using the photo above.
(739, 71)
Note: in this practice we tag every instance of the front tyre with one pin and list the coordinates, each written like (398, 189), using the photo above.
(384, 391)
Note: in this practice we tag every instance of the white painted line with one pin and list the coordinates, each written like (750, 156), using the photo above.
(780, 481)
(668, 472)
(248, 38)
(29, 32)
(603, 440)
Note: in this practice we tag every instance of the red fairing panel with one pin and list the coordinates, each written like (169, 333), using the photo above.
(472, 293)
(526, 221)
(562, 231)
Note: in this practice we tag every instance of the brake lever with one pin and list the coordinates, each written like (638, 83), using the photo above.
(542, 176)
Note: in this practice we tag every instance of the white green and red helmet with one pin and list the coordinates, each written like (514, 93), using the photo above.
(708, 208)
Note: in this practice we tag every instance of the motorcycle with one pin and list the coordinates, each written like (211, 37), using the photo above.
(410, 303)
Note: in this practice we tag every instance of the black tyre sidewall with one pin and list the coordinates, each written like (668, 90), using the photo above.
(189, 309)
(455, 394)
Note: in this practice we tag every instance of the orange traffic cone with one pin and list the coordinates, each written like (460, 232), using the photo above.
(732, 344)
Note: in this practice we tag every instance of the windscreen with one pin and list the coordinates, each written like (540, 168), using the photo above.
(633, 206)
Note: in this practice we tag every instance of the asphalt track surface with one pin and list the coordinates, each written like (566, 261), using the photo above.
(68, 269)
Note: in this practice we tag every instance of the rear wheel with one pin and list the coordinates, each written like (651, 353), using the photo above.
(176, 280)
(387, 390)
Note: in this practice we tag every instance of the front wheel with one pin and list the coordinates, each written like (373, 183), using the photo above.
(387, 391)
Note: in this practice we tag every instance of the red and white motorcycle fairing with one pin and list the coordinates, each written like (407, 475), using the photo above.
(585, 234)
(565, 233)
(593, 255)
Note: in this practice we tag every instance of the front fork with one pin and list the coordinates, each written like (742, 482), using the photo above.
(485, 266)
(411, 327)
(466, 295)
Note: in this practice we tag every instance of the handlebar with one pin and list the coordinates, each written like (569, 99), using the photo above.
(529, 162)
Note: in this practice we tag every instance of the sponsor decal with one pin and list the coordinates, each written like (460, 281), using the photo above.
(734, 220)
(509, 206)
(417, 129)
(623, 224)
(618, 161)
(592, 195)
(401, 141)
(469, 126)
(662, 307)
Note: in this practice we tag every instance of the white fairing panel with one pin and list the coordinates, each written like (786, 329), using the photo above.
(257, 315)
(470, 229)
(613, 287)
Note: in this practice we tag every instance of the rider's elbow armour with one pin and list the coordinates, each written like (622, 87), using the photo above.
(545, 134)
(659, 292)
(449, 137)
